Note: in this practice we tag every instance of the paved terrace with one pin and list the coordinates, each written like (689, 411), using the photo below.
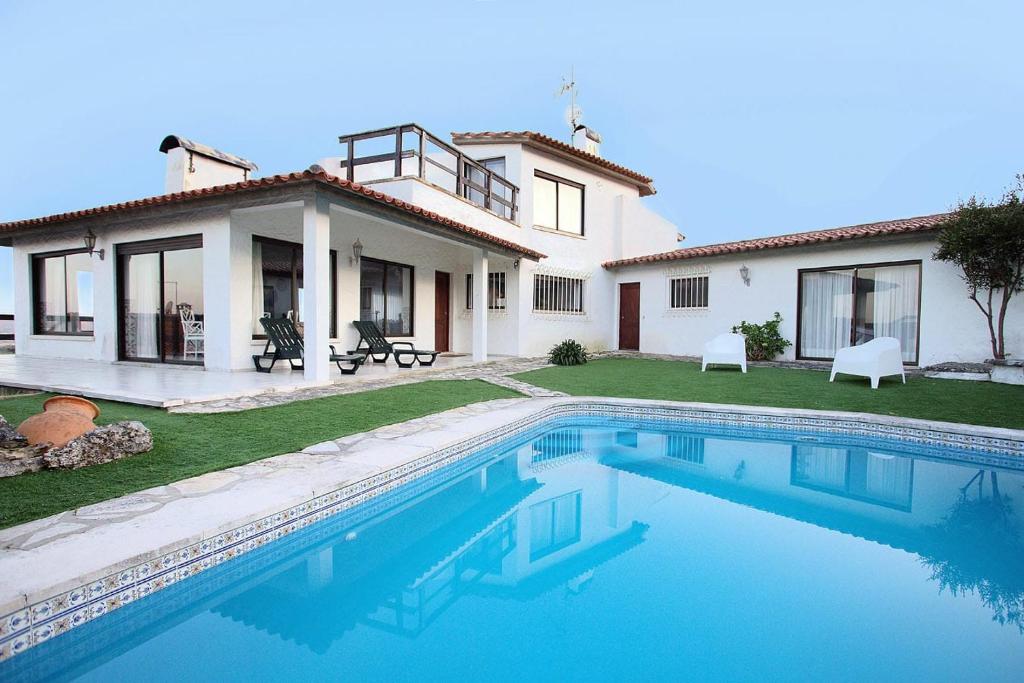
(192, 389)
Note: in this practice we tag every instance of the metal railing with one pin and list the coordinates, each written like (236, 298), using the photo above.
(411, 151)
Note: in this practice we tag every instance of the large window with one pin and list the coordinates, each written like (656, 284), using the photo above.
(277, 283)
(161, 316)
(842, 307)
(63, 293)
(6, 293)
(555, 524)
(558, 294)
(385, 296)
(688, 292)
(495, 291)
(557, 204)
(873, 477)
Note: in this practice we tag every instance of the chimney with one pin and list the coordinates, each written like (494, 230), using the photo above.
(192, 165)
(587, 139)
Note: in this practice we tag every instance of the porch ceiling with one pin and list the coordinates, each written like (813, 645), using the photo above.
(250, 193)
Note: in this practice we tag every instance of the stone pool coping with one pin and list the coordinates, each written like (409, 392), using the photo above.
(62, 571)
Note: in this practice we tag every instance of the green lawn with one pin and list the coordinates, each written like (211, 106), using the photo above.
(983, 403)
(187, 444)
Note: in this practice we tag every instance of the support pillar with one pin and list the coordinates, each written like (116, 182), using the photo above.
(316, 282)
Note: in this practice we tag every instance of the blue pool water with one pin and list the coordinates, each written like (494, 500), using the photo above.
(604, 552)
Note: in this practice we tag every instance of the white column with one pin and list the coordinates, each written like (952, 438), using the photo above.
(316, 282)
(480, 305)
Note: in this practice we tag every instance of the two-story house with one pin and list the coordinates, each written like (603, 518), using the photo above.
(489, 245)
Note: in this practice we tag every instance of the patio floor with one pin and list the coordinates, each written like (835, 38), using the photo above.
(166, 386)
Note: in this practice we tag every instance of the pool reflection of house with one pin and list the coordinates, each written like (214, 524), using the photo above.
(555, 511)
(870, 493)
(517, 528)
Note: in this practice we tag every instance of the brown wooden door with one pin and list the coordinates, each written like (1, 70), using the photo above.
(629, 316)
(442, 310)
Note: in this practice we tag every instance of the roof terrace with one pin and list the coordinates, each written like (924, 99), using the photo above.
(409, 151)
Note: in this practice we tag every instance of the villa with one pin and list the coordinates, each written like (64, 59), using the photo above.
(495, 244)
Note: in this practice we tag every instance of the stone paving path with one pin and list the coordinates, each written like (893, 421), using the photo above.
(495, 372)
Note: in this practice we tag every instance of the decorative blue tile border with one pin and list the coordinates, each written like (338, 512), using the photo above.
(36, 624)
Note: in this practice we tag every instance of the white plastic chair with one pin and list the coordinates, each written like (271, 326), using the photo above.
(875, 359)
(726, 349)
(194, 336)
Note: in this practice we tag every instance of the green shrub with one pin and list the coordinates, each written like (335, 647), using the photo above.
(569, 352)
(764, 341)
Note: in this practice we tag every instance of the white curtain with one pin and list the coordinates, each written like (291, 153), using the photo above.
(144, 290)
(895, 293)
(826, 313)
(888, 477)
(55, 305)
(257, 287)
(822, 466)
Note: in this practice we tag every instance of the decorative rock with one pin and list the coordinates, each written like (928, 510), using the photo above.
(9, 436)
(20, 460)
(103, 444)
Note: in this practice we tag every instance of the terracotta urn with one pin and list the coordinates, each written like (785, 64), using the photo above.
(63, 419)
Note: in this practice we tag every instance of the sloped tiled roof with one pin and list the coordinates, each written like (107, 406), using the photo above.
(314, 174)
(645, 183)
(799, 239)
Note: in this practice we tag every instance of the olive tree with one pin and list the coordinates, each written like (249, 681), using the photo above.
(986, 240)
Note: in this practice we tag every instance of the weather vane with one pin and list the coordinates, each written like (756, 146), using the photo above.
(573, 113)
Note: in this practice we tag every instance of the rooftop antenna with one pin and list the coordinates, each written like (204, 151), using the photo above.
(573, 113)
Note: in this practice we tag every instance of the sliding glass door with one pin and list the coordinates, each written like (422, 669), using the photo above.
(842, 307)
(160, 285)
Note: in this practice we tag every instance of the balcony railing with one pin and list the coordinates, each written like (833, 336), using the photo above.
(410, 151)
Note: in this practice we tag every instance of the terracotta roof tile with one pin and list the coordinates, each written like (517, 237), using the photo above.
(799, 239)
(645, 183)
(315, 174)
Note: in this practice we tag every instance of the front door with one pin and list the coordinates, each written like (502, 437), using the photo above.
(442, 310)
(629, 316)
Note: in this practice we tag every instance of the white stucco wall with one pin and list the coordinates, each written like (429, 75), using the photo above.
(952, 328)
(102, 345)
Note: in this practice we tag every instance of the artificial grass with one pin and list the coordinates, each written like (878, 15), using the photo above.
(186, 445)
(981, 403)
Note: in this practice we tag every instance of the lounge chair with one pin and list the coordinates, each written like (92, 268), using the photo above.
(875, 359)
(287, 343)
(372, 344)
(725, 349)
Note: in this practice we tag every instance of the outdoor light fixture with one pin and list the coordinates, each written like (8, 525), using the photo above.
(357, 252)
(90, 244)
(515, 264)
(745, 274)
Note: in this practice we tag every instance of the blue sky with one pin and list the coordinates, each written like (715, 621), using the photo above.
(754, 118)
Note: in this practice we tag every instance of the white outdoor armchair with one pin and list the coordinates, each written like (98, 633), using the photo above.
(726, 349)
(877, 358)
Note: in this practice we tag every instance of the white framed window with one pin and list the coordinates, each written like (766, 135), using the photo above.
(558, 294)
(557, 204)
(495, 291)
(688, 292)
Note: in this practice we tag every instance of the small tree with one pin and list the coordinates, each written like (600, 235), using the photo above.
(987, 241)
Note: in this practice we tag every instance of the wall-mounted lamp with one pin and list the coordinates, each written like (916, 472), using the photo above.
(745, 274)
(90, 244)
(357, 252)
(515, 265)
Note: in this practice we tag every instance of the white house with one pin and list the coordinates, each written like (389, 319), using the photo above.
(490, 245)
(498, 243)
(833, 288)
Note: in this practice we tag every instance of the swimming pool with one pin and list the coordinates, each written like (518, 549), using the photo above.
(599, 549)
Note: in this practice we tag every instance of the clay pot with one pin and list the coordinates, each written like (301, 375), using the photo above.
(63, 418)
